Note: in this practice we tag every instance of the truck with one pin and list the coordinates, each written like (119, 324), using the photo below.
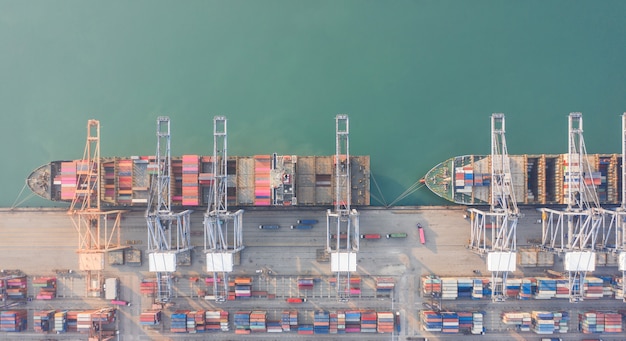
(120, 302)
(296, 300)
(370, 236)
(341, 236)
(397, 322)
(301, 227)
(421, 231)
(269, 227)
(307, 221)
(111, 288)
(396, 235)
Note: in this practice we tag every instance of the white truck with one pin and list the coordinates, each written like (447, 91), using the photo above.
(111, 288)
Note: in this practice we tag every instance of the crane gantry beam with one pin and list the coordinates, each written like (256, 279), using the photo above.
(219, 246)
(574, 231)
(98, 231)
(343, 220)
(162, 221)
(502, 217)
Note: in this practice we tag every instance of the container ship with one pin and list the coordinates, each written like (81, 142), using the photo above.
(536, 179)
(260, 180)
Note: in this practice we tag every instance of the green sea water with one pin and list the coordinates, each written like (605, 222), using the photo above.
(418, 79)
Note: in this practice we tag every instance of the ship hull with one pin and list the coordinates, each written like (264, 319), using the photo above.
(536, 179)
(261, 180)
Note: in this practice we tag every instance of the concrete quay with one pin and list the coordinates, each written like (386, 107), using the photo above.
(39, 241)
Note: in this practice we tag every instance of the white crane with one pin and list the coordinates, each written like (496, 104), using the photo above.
(343, 220)
(168, 232)
(575, 230)
(219, 246)
(502, 217)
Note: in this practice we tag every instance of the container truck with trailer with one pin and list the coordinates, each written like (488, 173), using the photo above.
(396, 235)
(370, 236)
(301, 227)
(421, 232)
(269, 227)
(307, 221)
(296, 300)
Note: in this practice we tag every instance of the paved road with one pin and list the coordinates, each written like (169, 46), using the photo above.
(38, 242)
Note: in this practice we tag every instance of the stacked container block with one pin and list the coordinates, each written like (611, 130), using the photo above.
(384, 285)
(84, 323)
(592, 322)
(60, 322)
(432, 321)
(258, 321)
(465, 287)
(305, 329)
(355, 286)
(477, 289)
(13, 320)
(449, 289)
(262, 190)
(546, 288)
(190, 180)
(242, 322)
(527, 289)
(125, 181)
(243, 287)
(43, 321)
(289, 320)
(431, 285)
(179, 321)
(477, 323)
(341, 322)
(353, 321)
(321, 322)
(368, 321)
(150, 317)
(385, 321)
(305, 283)
(47, 287)
(16, 287)
(216, 320)
(593, 287)
(103, 316)
(520, 319)
(67, 180)
(148, 288)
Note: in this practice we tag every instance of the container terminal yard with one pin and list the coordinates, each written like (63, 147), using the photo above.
(339, 270)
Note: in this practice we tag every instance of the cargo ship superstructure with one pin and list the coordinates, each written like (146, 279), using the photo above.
(259, 180)
(536, 179)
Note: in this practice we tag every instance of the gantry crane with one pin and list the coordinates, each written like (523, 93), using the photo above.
(163, 248)
(98, 231)
(502, 217)
(613, 238)
(574, 231)
(219, 247)
(343, 220)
